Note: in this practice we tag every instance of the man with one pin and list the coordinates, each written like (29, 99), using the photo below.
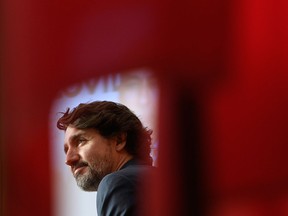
(108, 149)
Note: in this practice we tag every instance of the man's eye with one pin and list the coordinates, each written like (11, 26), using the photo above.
(65, 150)
(81, 141)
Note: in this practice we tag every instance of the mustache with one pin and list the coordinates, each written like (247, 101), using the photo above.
(78, 165)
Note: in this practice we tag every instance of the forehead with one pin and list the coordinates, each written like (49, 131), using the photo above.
(72, 132)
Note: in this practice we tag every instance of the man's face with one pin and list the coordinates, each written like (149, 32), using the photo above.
(89, 155)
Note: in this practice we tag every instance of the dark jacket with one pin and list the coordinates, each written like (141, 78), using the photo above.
(117, 192)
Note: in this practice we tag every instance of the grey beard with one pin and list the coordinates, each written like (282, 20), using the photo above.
(89, 181)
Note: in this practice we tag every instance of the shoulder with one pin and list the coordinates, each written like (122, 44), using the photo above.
(118, 178)
(129, 175)
(117, 191)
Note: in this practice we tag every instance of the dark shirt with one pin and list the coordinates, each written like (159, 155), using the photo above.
(117, 192)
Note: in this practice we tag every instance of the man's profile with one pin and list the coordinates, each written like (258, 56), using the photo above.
(107, 148)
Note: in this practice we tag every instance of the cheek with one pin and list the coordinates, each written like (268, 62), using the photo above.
(101, 163)
(96, 155)
(87, 154)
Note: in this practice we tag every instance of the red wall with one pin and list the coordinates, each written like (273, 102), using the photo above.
(223, 108)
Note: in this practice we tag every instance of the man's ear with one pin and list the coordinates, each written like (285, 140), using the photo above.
(121, 141)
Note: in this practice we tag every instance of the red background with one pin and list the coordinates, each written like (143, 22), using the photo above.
(222, 67)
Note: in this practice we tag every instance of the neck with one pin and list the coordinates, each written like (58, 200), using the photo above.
(123, 160)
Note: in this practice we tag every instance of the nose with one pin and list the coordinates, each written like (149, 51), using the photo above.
(72, 158)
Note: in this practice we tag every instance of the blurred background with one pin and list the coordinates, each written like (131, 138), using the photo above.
(219, 108)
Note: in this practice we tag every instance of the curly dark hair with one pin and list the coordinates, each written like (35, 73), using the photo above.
(111, 119)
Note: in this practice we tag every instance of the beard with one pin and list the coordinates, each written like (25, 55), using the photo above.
(96, 171)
